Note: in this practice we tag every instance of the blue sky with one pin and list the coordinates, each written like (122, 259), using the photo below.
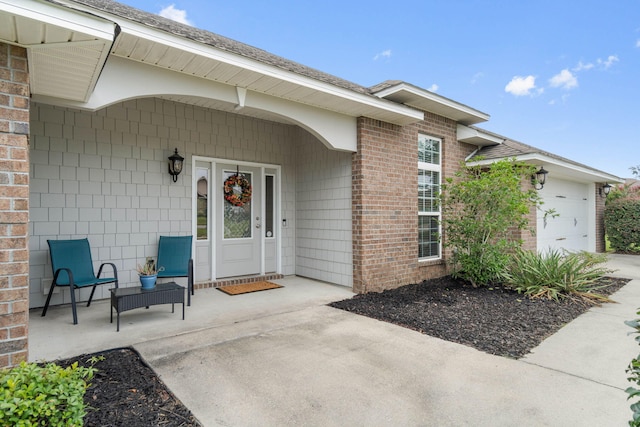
(561, 75)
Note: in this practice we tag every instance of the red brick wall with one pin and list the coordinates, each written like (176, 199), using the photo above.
(14, 204)
(385, 201)
(529, 239)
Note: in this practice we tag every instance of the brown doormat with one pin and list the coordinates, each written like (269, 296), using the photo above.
(244, 288)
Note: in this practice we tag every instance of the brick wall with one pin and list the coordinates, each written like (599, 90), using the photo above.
(14, 204)
(385, 202)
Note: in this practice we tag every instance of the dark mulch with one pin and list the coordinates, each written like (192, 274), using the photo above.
(126, 392)
(495, 320)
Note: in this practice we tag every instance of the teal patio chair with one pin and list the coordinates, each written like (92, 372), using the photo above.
(174, 260)
(73, 267)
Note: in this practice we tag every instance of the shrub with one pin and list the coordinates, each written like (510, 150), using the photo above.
(634, 376)
(622, 221)
(480, 209)
(34, 395)
(556, 275)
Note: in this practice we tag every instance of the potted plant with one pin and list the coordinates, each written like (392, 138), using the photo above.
(148, 274)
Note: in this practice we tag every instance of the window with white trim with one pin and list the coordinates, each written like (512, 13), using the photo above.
(429, 175)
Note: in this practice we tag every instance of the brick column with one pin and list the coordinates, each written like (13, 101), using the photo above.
(14, 204)
(385, 201)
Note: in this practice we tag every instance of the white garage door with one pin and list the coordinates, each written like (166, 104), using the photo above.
(570, 229)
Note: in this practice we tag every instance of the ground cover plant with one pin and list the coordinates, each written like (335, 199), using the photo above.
(52, 395)
(634, 376)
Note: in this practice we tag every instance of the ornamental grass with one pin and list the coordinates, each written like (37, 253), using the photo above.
(557, 275)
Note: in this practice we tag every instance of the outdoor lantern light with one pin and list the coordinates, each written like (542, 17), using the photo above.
(539, 178)
(175, 165)
(606, 188)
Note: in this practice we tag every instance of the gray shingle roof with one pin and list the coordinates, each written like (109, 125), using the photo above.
(510, 148)
(216, 41)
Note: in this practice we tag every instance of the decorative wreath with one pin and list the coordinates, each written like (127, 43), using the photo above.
(237, 199)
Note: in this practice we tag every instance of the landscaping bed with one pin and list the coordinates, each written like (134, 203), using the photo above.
(495, 319)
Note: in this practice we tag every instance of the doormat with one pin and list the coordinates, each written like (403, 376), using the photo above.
(245, 288)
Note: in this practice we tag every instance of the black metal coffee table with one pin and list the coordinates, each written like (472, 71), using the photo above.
(123, 299)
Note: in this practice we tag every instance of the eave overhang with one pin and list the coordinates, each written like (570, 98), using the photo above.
(413, 96)
(66, 48)
(559, 168)
(477, 136)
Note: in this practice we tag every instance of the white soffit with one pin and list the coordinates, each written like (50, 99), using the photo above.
(66, 49)
(413, 96)
(561, 169)
(150, 46)
(477, 137)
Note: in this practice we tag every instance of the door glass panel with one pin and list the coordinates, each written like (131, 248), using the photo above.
(202, 193)
(237, 219)
(269, 208)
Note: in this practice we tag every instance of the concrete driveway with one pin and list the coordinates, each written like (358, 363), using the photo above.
(309, 364)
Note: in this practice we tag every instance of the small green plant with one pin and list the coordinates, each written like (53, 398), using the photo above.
(35, 395)
(633, 370)
(556, 275)
(148, 268)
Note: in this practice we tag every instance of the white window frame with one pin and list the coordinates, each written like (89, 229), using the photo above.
(431, 167)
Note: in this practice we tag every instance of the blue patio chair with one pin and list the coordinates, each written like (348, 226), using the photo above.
(174, 260)
(73, 267)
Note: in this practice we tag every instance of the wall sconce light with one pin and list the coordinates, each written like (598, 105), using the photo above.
(175, 165)
(606, 188)
(539, 179)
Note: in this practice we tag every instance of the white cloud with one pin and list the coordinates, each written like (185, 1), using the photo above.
(582, 66)
(520, 86)
(477, 76)
(174, 14)
(638, 43)
(607, 63)
(384, 54)
(565, 80)
(434, 88)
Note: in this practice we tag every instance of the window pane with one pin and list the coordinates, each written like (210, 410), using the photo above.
(202, 190)
(269, 208)
(428, 150)
(428, 245)
(237, 219)
(428, 190)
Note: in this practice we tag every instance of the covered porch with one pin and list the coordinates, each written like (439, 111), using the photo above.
(55, 337)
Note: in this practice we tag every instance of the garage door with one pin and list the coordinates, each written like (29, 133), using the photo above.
(570, 229)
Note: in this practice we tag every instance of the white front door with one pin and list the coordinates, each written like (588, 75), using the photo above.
(238, 224)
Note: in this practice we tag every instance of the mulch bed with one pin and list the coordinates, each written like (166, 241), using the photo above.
(126, 392)
(495, 320)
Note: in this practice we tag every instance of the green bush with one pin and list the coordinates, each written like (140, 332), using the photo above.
(556, 275)
(634, 376)
(34, 395)
(622, 221)
(481, 207)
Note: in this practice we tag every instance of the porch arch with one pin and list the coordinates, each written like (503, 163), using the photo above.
(123, 80)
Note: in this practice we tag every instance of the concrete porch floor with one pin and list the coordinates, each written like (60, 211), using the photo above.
(56, 337)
